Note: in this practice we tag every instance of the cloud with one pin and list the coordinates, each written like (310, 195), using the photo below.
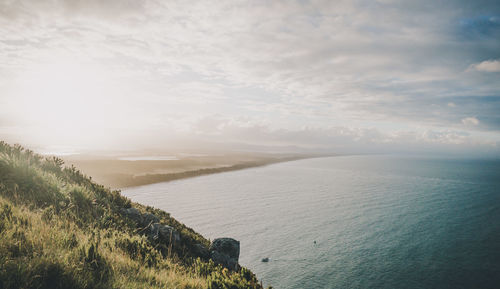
(293, 64)
(487, 66)
(470, 121)
(337, 138)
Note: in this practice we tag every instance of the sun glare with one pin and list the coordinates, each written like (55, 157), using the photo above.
(67, 98)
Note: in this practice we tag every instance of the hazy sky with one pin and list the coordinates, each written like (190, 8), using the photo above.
(346, 76)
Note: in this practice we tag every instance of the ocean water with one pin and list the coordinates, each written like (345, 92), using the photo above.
(350, 221)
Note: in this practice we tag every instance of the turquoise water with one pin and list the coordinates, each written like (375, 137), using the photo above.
(378, 221)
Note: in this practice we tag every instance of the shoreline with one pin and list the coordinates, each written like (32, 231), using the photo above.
(149, 179)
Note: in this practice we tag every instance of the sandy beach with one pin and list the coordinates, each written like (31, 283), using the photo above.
(129, 171)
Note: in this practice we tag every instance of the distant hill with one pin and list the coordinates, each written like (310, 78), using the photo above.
(59, 229)
(121, 172)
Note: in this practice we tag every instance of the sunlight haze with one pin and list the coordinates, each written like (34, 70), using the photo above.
(330, 76)
(286, 144)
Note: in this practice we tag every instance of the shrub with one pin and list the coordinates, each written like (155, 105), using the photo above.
(139, 249)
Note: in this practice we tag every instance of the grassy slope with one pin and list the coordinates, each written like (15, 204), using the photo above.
(59, 229)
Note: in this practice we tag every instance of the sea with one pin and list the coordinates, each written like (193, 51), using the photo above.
(366, 221)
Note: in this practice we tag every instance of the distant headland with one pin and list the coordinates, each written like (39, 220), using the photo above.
(131, 171)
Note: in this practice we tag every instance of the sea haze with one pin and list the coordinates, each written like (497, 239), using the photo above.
(351, 221)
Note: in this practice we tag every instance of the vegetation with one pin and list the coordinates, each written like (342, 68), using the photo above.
(59, 229)
(120, 173)
(140, 180)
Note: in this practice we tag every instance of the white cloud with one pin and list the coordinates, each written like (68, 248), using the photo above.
(487, 66)
(470, 121)
(317, 64)
(346, 139)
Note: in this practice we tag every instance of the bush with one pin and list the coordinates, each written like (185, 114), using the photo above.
(137, 248)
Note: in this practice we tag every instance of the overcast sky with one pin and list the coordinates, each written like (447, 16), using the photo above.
(345, 76)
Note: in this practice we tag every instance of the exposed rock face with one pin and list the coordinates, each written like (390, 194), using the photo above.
(133, 214)
(149, 219)
(201, 251)
(152, 227)
(163, 233)
(225, 251)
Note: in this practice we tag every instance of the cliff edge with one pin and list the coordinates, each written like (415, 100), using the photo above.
(59, 229)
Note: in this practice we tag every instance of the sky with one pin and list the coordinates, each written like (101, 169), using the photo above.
(324, 76)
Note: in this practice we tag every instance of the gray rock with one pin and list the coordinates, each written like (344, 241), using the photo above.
(163, 233)
(133, 214)
(148, 219)
(226, 252)
(201, 251)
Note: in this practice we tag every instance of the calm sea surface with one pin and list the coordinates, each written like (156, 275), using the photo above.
(378, 221)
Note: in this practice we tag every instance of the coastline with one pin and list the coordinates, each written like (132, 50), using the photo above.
(121, 173)
(148, 179)
(71, 232)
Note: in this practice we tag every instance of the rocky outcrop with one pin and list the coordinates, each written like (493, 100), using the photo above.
(223, 251)
(151, 226)
(133, 214)
(149, 219)
(201, 251)
(163, 233)
(226, 252)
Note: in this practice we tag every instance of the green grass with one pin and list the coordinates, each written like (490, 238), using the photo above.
(59, 229)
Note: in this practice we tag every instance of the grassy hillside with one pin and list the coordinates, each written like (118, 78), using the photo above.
(59, 229)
